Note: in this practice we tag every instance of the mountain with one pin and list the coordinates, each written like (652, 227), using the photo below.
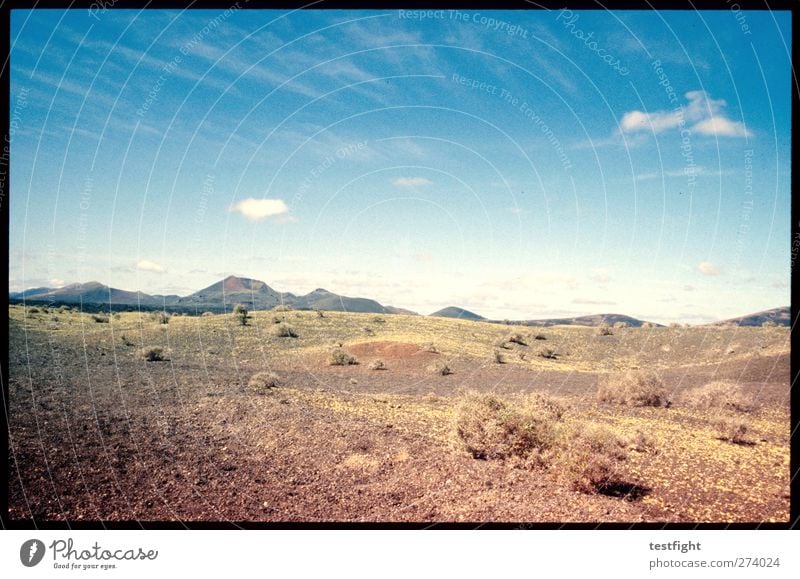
(779, 316)
(594, 320)
(322, 299)
(92, 292)
(233, 290)
(454, 312)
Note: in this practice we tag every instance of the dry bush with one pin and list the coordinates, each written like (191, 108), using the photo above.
(153, 354)
(442, 368)
(642, 441)
(769, 324)
(540, 337)
(263, 382)
(633, 388)
(604, 330)
(284, 331)
(100, 319)
(516, 338)
(377, 365)
(498, 357)
(733, 429)
(490, 428)
(160, 317)
(648, 325)
(33, 310)
(548, 353)
(206, 314)
(719, 395)
(620, 325)
(342, 358)
(282, 308)
(590, 457)
(430, 347)
(320, 313)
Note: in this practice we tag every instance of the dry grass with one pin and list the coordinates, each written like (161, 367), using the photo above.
(284, 331)
(633, 388)
(733, 429)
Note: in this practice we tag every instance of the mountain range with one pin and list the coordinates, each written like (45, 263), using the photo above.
(257, 295)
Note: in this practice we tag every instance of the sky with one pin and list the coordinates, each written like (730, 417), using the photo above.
(522, 165)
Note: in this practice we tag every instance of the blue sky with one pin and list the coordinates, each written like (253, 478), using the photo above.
(518, 164)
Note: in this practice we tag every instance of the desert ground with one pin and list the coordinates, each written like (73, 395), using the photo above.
(127, 418)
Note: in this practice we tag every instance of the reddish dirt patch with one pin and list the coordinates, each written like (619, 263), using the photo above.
(388, 350)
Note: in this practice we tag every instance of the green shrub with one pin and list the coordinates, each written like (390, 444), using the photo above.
(240, 314)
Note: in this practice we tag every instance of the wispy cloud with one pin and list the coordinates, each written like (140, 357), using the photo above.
(702, 114)
(707, 268)
(147, 265)
(593, 302)
(258, 209)
(411, 182)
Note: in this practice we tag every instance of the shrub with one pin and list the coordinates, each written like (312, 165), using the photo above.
(516, 338)
(769, 324)
(379, 320)
(262, 382)
(633, 388)
(490, 428)
(540, 337)
(548, 353)
(641, 441)
(320, 313)
(153, 354)
(604, 330)
(206, 314)
(620, 325)
(240, 314)
(503, 343)
(341, 358)
(100, 319)
(648, 325)
(442, 368)
(64, 309)
(282, 308)
(719, 395)
(591, 457)
(284, 331)
(430, 347)
(161, 317)
(377, 365)
(732, 429)
(498, 357)
(127, 341)
(33, 310)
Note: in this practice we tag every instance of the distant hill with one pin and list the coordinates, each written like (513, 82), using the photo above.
(218, 297)
(780, 316)
(454, 312)
(593, 320)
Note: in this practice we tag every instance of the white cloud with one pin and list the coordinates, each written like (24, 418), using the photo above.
(147, 265)
(258, 209)
(411, 182)
(55, 282)
(701, 114)
(707, 268)
(722, 127)
(593, 302)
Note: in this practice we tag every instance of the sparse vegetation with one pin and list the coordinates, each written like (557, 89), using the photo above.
(282, 308)
(498, 357)
(206, 314)
(320, 313)
(516, 338)
(127, 341)
(769, 324)
(548, 353)
(633, 388)
(33, 310)
(377, 365)
(604, 330)
(648, 325)
(284, 331)
(263, 382)
(620, 325)
(540, 337)
(100, 318)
